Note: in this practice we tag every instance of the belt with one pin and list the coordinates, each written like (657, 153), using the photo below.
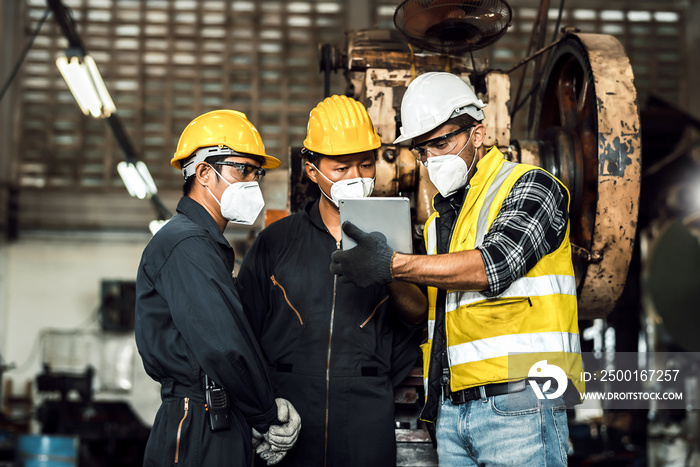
(474, 393)
(170, 388)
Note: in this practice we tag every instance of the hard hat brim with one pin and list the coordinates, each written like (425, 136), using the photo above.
(403, 139)
(271, 162)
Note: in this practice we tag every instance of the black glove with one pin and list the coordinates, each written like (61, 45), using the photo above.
(367, 264)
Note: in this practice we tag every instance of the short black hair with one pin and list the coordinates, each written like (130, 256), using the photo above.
(313, 157)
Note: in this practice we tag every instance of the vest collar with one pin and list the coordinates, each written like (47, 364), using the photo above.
(486, 168)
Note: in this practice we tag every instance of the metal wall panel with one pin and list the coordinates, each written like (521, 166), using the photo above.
(166, 61)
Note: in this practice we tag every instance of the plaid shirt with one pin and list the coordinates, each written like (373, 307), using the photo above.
(532, 223)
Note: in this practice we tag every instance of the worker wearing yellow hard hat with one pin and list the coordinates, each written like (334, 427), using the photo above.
(191, 331)
(336, 350)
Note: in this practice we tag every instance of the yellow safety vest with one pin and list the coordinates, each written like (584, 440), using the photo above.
(499, 339)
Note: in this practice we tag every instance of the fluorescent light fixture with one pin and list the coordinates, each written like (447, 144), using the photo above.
(86, 85)
(156, 224)
(137, 179)
(146, 177)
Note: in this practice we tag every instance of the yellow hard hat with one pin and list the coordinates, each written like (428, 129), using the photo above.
(229, 128)
(339, 125)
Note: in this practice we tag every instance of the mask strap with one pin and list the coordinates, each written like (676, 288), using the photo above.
(473, 158)
(217, 172)
(212, 195)
(222, 178)
(467, 143)
(319, 186)
(317, 170)
(472, 164)
(329, 198)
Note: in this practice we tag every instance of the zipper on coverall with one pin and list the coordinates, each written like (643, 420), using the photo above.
(284, 292)
(179, 429)
(328, 365)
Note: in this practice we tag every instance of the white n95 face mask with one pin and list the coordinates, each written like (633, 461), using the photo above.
(449, 173)
(360, 187)
(241, 202)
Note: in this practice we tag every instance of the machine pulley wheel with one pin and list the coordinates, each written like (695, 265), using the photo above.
(586, 118)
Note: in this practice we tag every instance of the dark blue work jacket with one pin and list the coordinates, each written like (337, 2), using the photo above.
(335, 350)
(189, 321)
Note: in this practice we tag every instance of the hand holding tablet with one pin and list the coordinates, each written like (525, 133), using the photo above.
(389, 216)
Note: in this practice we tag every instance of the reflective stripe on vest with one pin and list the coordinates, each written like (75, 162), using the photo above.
(523, 287)
(431, 235)
(493, 347)
(481, 227)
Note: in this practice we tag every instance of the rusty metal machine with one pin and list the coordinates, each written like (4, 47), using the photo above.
(583, 126)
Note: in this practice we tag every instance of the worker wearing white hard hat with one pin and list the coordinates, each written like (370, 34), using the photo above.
(502, 360)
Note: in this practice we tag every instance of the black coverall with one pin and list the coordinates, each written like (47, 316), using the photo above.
(335, 350)
(189, 322)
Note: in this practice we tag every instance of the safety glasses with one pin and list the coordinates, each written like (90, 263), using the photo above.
(438, 146)
(246, 170)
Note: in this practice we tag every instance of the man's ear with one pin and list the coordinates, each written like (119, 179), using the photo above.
(479, 135)
(204, 174)
(311, 172)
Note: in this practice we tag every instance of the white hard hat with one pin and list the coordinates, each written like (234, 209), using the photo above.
(432, 99)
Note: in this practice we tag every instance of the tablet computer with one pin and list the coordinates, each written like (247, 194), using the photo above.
(390, 216)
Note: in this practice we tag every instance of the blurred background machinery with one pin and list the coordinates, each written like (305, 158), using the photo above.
(82, 405)
(669, 255)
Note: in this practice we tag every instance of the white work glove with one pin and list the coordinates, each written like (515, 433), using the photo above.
(266, 453)
(264, 450)
(282, 437)
(257, 438)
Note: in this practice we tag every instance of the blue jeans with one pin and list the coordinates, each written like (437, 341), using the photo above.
(512, 429)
